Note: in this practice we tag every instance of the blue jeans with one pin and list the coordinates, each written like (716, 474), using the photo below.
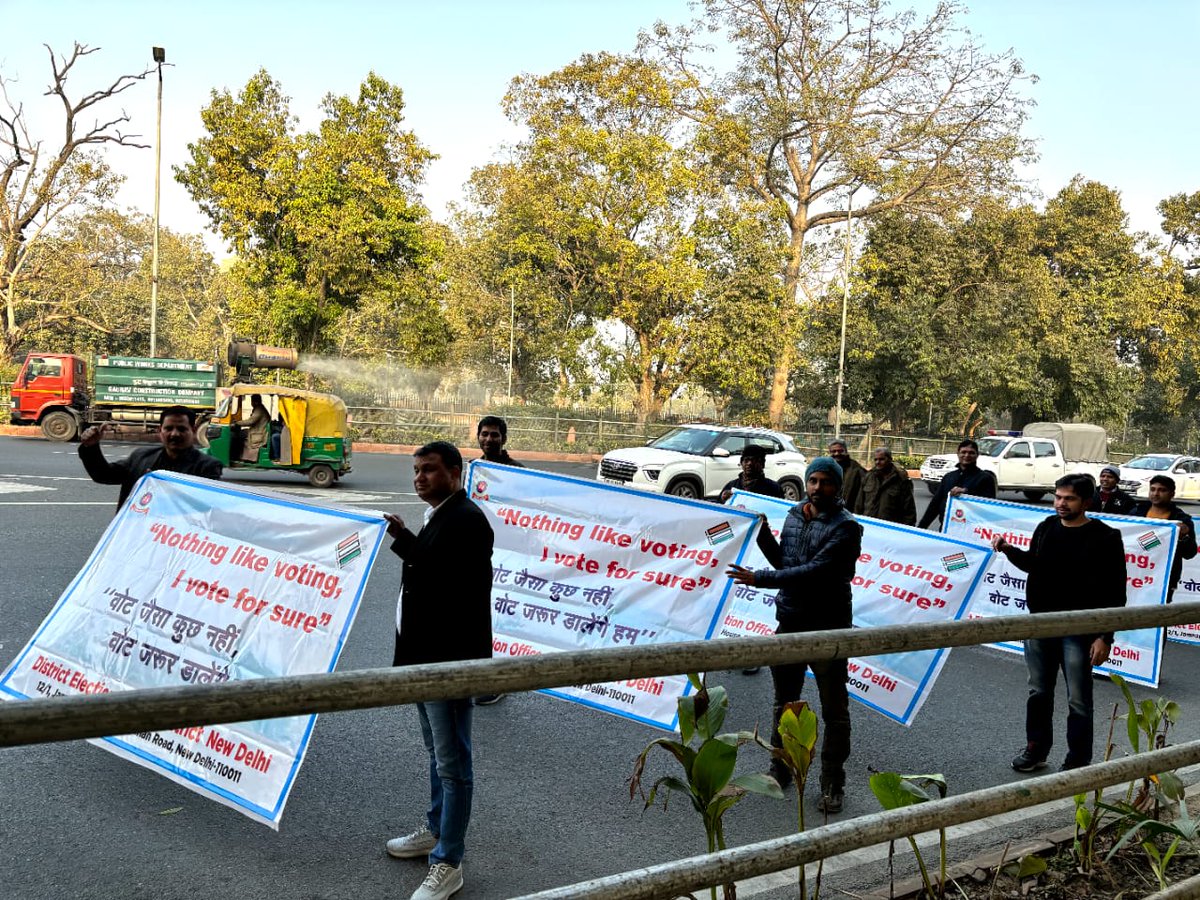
(446, 728)
(1043, 658)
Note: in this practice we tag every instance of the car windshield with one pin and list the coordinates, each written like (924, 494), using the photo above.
(992, 446)
(1155, 463)
(686, 440)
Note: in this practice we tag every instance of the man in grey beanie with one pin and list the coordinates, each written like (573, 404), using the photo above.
(1108, 497)
(813, 566)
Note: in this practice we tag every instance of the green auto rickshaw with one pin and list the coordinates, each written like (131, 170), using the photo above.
(275, 428)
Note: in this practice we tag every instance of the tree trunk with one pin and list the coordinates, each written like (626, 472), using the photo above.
(787, 318)
(648, 404)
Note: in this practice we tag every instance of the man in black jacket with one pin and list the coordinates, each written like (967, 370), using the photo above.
(852, 472)
(813, 567)
(176, 453)
(1074, 563)
(1110, 498)
(753, 478)
(492, 434)
(444, 614)
(967, 478)
(1162, 505)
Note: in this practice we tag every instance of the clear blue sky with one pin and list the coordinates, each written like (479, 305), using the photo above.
(1115, 96)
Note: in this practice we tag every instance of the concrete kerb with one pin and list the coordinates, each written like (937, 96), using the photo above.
(988, 861)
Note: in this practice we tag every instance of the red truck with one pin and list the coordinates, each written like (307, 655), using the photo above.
(52, 391)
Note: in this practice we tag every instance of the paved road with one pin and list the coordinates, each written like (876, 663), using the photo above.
(552, 805)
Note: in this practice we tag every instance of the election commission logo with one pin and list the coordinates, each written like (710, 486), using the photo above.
(141, 506)
(479, 491)
(347, 550)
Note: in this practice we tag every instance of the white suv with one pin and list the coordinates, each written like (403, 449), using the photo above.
(699, 460)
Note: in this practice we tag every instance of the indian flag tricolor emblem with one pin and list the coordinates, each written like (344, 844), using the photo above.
(955, 561)
(1149, 540)
(719, 534)
(348, 549)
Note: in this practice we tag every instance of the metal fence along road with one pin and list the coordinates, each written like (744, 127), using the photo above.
(71, 718)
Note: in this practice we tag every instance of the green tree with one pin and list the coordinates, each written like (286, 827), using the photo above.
(1181, 223)
(43, 182)
(1057, 315)
(521, 269)
(319, 218)
(609, 195)
(834, 97)
(87, 288)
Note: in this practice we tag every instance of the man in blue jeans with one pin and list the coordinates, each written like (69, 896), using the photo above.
(443, 614)
(1074, 563)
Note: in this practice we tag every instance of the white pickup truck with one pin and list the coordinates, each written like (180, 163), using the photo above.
(1030, 461)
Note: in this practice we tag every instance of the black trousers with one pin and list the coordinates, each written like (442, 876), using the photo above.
(832, 676)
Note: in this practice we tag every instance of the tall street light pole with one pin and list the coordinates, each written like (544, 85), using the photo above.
(160, 57)
(837, 420)
(512, 320)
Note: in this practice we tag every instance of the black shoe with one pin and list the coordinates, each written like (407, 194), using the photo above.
(781, 774)
(1069, 764)
(1028, 761)
(487, 699)
(831, 801)
(752, 670)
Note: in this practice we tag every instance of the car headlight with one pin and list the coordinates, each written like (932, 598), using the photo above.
(651, 474)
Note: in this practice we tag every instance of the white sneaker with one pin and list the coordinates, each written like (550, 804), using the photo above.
(410, 846)
(442, 881)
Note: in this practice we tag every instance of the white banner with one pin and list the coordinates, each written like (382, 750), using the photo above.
(197, 582)
(583, 565)
(1149, 545)
(904, 576)
(1188, 590)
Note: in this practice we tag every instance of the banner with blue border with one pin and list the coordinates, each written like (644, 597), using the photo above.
(581, 565)
(904, 576)
(1149, 547)
(199, 582)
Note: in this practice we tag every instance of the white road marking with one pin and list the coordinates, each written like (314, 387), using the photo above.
(19, 487)
(57, 502)
(50, 477)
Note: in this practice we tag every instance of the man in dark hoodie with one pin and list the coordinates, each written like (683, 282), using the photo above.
(813, 566)
(1110, 498)
(1074, 563)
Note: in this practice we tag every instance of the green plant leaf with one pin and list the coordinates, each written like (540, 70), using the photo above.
(1170, 786)
(687, 718)
(889, 790)
(709, 722)
(1026, 867)
(672, 783)
(758, 783)
(712, 769)
(1172, 711)
(722, 802)
(1131, 724)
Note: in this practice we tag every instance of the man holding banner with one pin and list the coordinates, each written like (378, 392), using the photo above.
(444, 614)
(1074, 563)
(1161, 505)
(813, 567)
(178, 453)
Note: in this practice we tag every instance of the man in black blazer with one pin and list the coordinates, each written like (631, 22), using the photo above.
(443, 614)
